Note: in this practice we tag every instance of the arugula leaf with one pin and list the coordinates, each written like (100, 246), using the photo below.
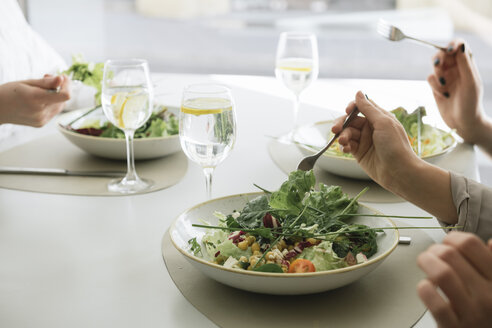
(269, 267)
(252, 215)
(330, 200)
(195, 247)
(292, 192)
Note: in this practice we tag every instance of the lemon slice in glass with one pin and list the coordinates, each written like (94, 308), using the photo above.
(203, 106)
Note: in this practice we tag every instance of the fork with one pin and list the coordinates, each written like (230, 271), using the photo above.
(307, 163)
(393, 33)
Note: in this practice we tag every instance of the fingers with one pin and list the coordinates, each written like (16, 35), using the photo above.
(372, 112)
(439, 90)
(470, 278)
(48, 82)
(473, 250)
(466, 66)
(441, 274)
(440, 309)
(349, 134)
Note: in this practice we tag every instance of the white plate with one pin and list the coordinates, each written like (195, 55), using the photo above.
(113, 148)
(316, 135)
(273, 283)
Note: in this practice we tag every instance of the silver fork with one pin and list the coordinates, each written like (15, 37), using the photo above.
(393, 33)
(307, 163)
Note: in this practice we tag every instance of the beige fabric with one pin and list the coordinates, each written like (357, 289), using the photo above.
(473, 202)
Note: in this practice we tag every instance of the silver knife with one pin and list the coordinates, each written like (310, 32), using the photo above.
(52, 171)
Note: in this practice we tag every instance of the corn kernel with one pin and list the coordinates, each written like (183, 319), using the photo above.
(270, 256)
(243, 259)
(251, 240)
(257, 253)
(255, 247)
(243, 245)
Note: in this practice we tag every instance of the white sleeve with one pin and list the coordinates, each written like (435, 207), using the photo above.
(23, 52)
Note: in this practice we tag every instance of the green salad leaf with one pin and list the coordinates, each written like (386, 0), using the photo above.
(89, 73)
(410, 121)
(269, 267)
(290, 196)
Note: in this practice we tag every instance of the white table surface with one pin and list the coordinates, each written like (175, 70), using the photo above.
(73, 261)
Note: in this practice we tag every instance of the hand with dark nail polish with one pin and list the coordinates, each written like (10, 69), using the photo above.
(458, 90)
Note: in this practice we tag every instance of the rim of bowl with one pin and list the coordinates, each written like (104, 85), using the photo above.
(447, 149)
(273, 274)
(63, 129)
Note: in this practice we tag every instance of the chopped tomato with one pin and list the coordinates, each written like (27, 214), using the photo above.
(301, 266)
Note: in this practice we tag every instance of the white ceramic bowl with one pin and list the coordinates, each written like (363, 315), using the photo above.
(316, 135)
(112, 148)
(273, 283)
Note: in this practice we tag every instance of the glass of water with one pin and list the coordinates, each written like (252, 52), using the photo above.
(296, 64)
(127, 103)
(207, 126)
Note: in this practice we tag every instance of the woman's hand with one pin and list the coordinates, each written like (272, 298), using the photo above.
(381, 146)
(458, 90)
(461, 267)
(378, 142)
(33, 102)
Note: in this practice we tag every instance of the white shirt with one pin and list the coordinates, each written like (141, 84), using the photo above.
(23, 54)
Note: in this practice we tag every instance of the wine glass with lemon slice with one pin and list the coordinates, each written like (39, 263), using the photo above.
(207, 126)
(127, 103)
(297, 63)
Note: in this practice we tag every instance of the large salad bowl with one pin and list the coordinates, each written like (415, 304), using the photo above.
(115, 148)
(182, 231)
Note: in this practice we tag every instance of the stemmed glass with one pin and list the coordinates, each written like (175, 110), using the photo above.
(207, 126)
(127, 103)
(297, 63)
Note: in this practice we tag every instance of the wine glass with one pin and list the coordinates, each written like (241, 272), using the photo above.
(297, 63)
(127, 103)
(207, 126)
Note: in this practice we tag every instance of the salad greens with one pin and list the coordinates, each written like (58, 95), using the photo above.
(296, 222)
(432, 140)
(161, 123)
(89, 73)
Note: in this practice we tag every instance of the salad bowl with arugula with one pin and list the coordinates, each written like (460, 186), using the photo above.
(90, 130)
(296, 240)
(430, 143)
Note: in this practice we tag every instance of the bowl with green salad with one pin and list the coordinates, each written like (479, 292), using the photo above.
(90, 130)
(302, 238)
(429, 142)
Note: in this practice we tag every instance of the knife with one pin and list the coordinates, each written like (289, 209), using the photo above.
(52, 171)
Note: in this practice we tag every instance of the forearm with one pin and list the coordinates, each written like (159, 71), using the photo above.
(484, 139)
(428, 187)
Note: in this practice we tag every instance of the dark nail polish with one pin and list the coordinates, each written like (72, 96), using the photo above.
(442, 81)
(446, 94)
(450, 48)
(366, 96)
(437, 62)
(463, 47)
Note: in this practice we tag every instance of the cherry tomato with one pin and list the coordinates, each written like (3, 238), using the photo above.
(301, 266)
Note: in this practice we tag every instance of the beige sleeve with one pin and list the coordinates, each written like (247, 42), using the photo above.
(473, 202)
